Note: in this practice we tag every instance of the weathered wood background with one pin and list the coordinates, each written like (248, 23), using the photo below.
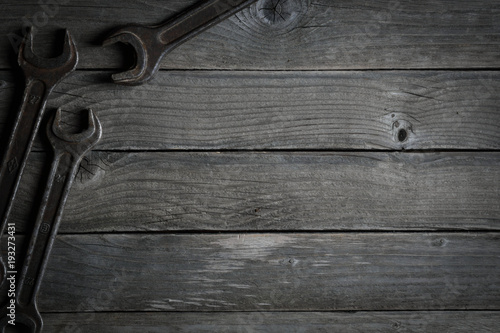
(324, 166)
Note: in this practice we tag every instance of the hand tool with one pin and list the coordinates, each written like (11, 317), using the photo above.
(69, 149)
(151, 43)
(41, 75)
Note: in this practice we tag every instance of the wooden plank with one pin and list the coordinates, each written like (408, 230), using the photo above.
(287, 110)
(276, 322)
(345, 34)
(277, 191)
(273, 272)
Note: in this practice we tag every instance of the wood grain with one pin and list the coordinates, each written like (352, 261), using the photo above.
(275, 322)
(277, 191)
(293, 110)
(301, 34)
(273, 272)
(306, 155)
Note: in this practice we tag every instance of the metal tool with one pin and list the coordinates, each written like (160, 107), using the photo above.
(41, 75)
(151, 43)
(69, 149)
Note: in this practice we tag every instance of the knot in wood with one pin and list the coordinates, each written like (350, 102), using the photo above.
(402, 130)
(92, 168)
(280, 13)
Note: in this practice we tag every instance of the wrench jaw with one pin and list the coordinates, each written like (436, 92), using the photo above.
(77, 144)
(151, 43)
(78, 137)
(50, 70)
(28, 316)
(148, 51)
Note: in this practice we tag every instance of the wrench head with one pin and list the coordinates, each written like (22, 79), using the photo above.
(27, 316)
(49, 69)
(75, 143)
(148, 51)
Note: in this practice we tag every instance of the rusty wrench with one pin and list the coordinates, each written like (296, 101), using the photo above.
(151, 43)
(69, 149)
(42, 75)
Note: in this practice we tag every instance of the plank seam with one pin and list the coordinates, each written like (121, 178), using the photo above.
(282, 311)
(283, 232)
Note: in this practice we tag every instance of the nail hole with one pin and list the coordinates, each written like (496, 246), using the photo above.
(402, 135)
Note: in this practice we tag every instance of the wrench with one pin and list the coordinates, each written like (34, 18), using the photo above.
(151, 43)
(42, 75)
(69, 149)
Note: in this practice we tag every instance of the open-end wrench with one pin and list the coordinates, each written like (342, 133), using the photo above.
(41, 75)
(69, 149)
(151, 43)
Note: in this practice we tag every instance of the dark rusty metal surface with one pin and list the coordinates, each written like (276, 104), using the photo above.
(151, 43)
(41, 75)
(69, 149)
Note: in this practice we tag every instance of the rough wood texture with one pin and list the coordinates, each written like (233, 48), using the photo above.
(282, 75)
(273, 272)
(301, 34)
(276, 322)
(292, 110)
(278, 191)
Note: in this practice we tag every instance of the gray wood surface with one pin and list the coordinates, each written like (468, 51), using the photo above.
(276, 322)
(302, 34)
(292, 110)
(273, 272)
(328, 166)
(277, 191)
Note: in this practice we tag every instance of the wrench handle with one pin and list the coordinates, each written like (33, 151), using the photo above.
(63, 171)
(29, 280)
(196, 20)
(21, 140)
